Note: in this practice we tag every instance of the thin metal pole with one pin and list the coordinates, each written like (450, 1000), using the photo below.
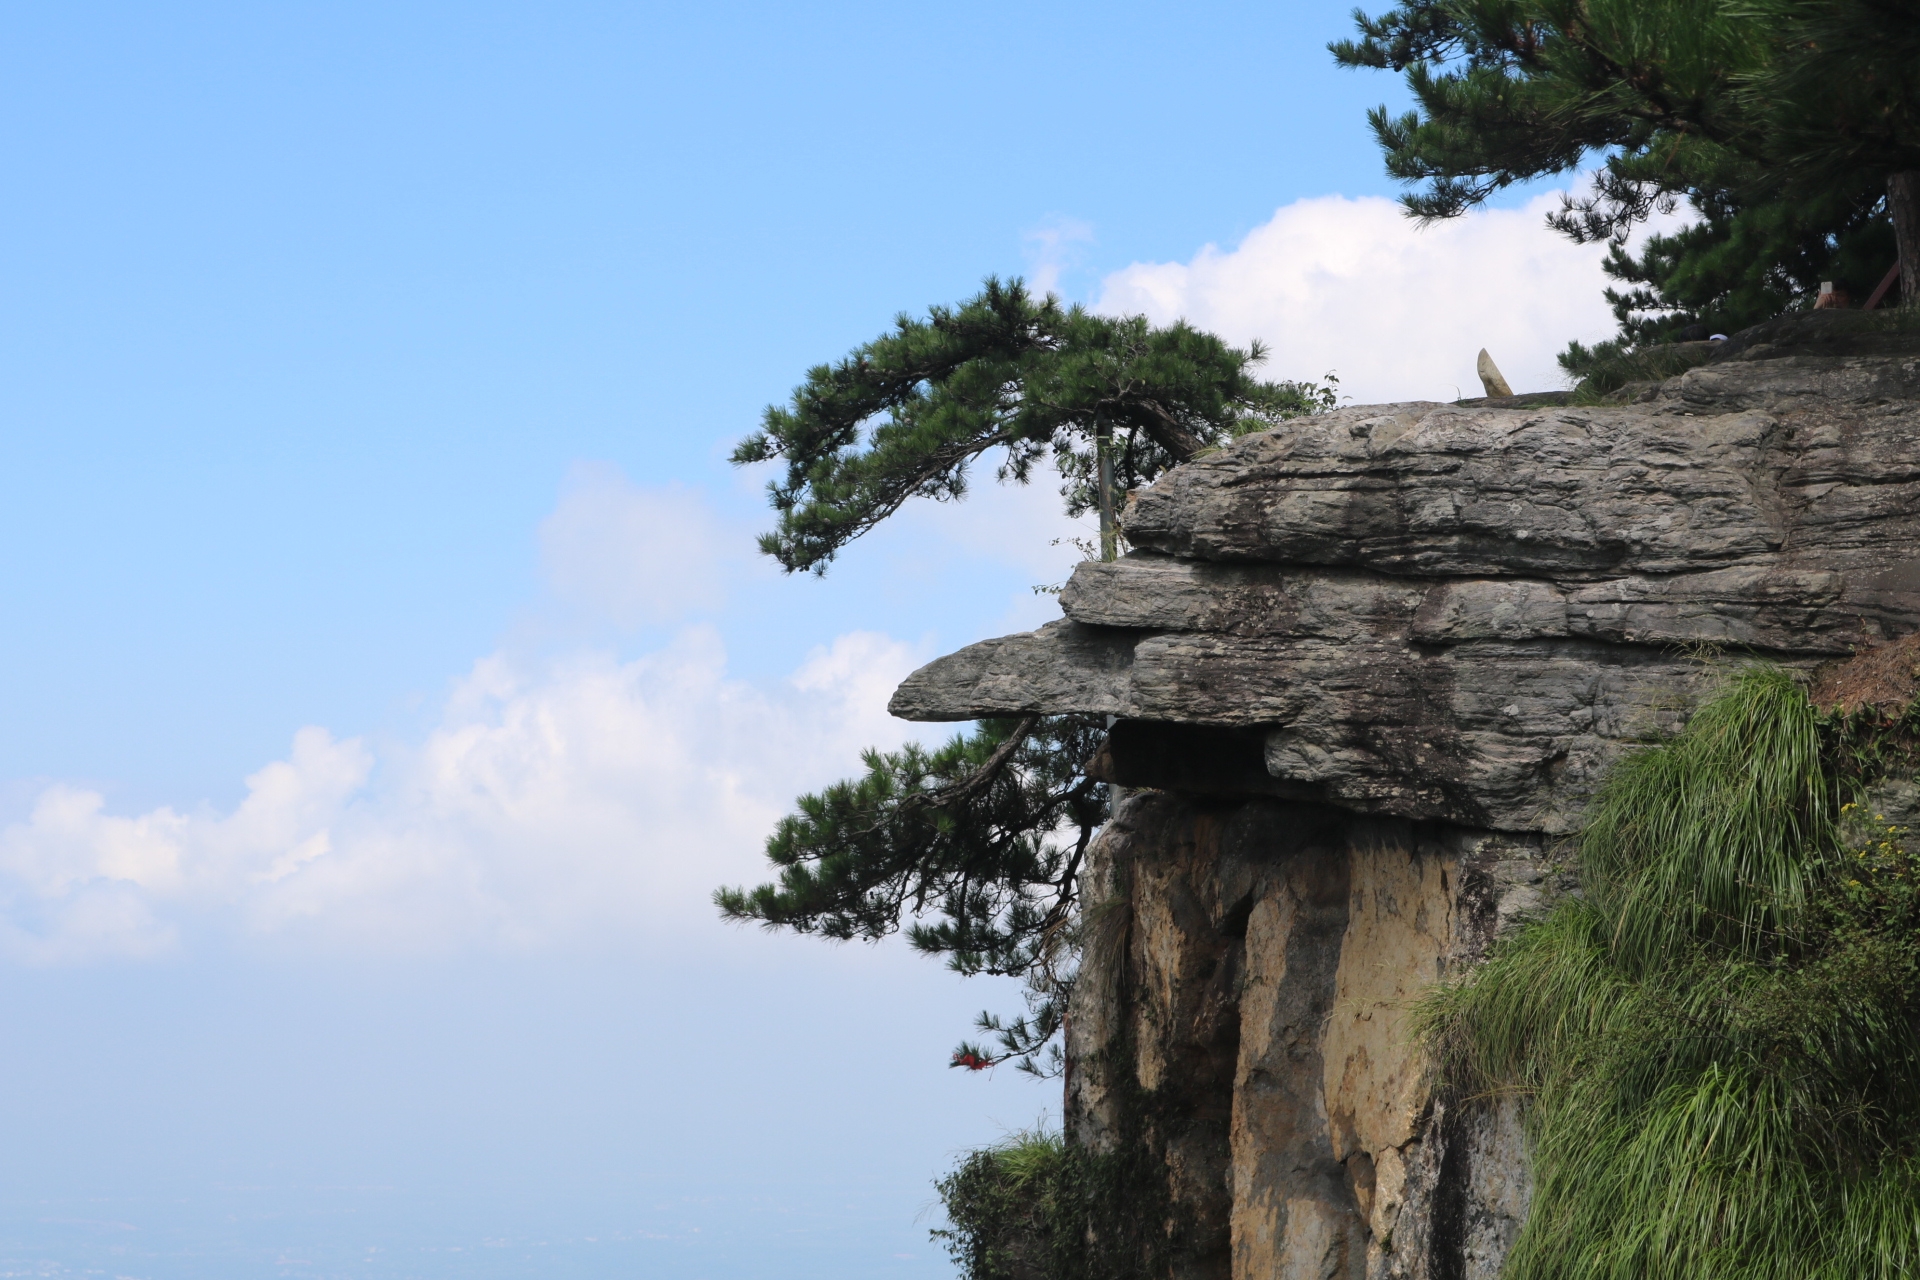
(1109, 550)
(1103, 449)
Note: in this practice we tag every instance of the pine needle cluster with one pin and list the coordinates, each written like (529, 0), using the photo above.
(974, 849)
(1779, 122)
(1718, 1043)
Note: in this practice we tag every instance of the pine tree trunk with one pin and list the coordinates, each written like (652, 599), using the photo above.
(1903, 201)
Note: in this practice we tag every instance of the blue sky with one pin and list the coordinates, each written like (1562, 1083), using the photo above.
(390, 676)
(311, 306)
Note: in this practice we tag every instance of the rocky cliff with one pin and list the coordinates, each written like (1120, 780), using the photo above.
(1363, 672)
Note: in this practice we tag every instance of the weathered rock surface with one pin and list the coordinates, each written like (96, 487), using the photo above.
(1465, 614)
(1239, 1023)
(1365, 670)
(1801, 462)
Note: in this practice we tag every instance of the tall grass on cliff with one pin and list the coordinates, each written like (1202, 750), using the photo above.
(1718, 1044)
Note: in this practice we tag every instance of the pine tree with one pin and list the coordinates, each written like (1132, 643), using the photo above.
(1787, 125)
(1840, 105)
(975, 849)
(905, 415)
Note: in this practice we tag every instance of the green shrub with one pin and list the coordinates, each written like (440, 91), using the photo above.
(1017, 1209)
(1036, 1207)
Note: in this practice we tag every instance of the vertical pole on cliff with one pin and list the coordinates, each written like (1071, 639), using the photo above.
(1109, 544)
(1103, 451)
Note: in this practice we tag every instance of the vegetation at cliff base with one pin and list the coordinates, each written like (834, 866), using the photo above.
(1017, 1209)
(1035, 1206)
(1718, 1042)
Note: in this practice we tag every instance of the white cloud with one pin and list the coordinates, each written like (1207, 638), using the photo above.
(596, 794)
(558, 797)
(578, 798)
(634, 556)
(1052, 247)
(1397, 310)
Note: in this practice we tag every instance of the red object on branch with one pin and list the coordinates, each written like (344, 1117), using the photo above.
(971, 1061)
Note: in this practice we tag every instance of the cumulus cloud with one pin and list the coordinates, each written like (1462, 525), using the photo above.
(634, 556)
(555, 800)
(1399, 311)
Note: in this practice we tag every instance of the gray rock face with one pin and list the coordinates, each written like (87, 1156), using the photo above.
(1800, 462)
(1465, 614)
(1364, 669)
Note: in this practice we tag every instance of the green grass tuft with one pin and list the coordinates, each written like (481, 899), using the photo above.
(1719, 1041)
(1036, 1207)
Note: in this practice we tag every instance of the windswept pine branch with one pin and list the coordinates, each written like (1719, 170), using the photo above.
(906, 415)
(986, 834)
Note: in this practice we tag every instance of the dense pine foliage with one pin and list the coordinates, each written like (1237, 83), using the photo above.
(986, 835)
(1779, 122)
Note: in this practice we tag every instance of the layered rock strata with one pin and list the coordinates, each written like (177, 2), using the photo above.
(1363, 672)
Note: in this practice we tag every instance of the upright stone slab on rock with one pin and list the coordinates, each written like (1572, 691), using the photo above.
(1367, 668)
(1490, 376)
